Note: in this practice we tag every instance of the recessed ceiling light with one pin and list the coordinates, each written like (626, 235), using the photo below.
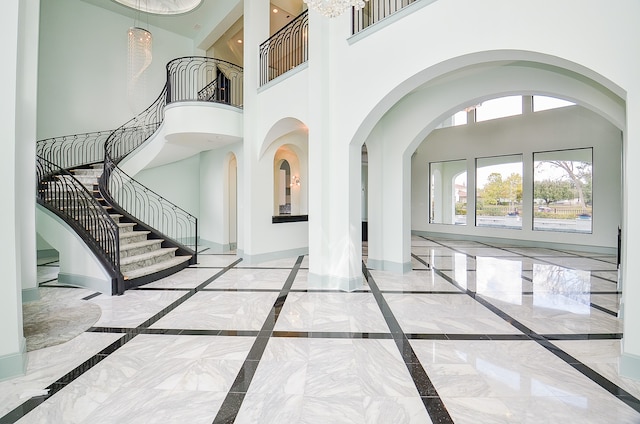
(275, 10)
(239, 41)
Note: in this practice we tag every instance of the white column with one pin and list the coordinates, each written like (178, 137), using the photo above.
(335, 232)
(630, 268)
(256, 24)
(396, 210)
(26, 108)
(17, 117)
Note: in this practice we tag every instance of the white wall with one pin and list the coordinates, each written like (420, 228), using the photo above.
(83, 67)
(565, 128)
(214, 196)
(178, 182)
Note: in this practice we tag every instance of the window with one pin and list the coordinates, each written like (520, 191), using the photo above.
(448, 192)
(562, 191)
(499, 191)
(545, 103)
(499, 108)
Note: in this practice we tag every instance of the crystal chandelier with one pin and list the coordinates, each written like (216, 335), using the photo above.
(139, 59)
(333, 8)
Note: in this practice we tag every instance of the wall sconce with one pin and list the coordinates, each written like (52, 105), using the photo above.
(295, 181)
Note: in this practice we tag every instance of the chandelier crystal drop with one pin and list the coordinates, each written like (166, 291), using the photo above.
(333, 8)
(139, 59)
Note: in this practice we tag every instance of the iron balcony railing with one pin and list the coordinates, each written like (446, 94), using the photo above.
(285, 50)
(204, 79)
(375, 11)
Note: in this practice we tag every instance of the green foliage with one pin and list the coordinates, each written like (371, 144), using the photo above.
(498, 191)
(552, 191)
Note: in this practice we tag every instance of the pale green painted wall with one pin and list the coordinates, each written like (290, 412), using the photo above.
(178, 182)
(82, 67)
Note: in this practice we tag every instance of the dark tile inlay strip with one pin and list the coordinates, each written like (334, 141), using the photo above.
(233, 401)
(428, 393)
(597, 378)
(603, 309)
(129, 334)
(422, 261)
(331, 335)
(48, 281)
(91, 296)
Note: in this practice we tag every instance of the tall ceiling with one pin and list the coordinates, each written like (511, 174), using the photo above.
(207, 22)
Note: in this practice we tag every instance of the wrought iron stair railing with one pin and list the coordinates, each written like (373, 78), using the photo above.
(59, 191)
(188, 79)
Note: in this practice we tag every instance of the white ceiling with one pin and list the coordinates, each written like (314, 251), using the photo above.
(162, 7)
(208, 21)
(202, 23)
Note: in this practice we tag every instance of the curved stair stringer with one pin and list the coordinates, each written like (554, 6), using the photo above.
(79, 265)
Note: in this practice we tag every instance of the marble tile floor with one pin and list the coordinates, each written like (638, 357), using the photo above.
(474, 334)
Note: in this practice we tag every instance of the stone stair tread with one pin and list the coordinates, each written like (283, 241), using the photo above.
(150, 242)
(147, 255)
(140, 272)
(133, 234)
(126, 224)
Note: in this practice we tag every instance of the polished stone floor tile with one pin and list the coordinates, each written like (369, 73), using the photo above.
(47, 273)
(276, 263)
(332, 358)
(486, 252)
(301, 282)
(432, 250)
(215, 261)
(559, 313)
(502, 381)
(188, 278)
(449, 262)
(603, 356)
(134, 307)
(251, 279)
(419, 264)
(332, 380)
(221, 311)
(412, 281)
(444, 314)
(47, 365)
(352, 312)
(583, 263)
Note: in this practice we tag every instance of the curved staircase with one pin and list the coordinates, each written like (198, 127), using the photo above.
(136, 234)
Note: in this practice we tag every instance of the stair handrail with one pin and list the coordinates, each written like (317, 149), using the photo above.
(167, 219)
(186, 78)
(72, 151)
(64, 195)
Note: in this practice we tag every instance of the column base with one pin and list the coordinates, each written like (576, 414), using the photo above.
(395, 267)
(629, 366)
(30, 295)
(329, 282)
(14, 364)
